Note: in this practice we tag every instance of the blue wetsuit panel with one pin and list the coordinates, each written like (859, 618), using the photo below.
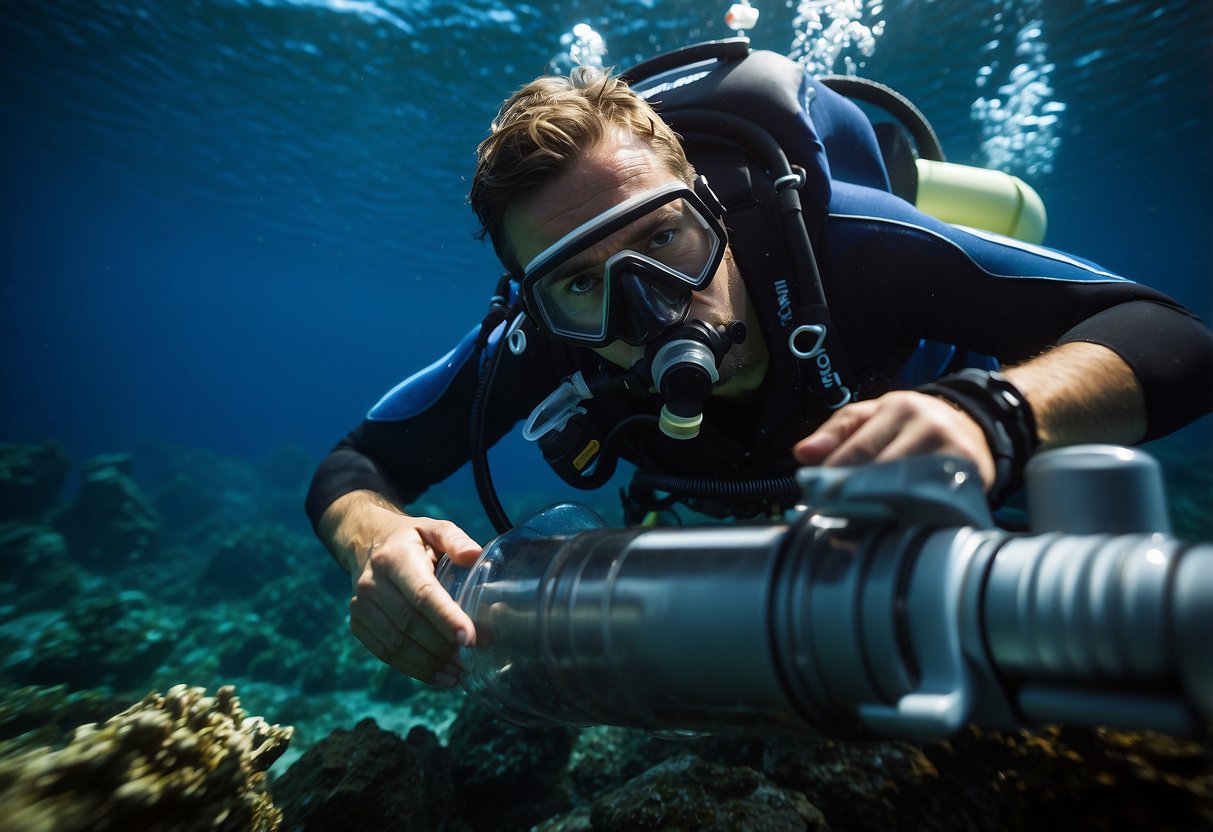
(933, 359)
(992, 253)
(967, 255)
(423, 388)
(850, 142)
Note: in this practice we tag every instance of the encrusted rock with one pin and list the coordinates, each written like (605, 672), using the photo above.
(248, 557)
(30, 479)
(110, 524)
(370, 779)
(39, 716)
(35, 570)
(687, 793)
(181, 761)
(195, 490)
(298, 606)
(114, 639)
(863, 784)
(508, 776)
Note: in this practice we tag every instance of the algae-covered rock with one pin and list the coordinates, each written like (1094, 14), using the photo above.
(194, 488)
(1046, 779)
(48, 715)
(1069, 777)
(109, 525)
(370, 779)
(1052, 778)
(248, 557)
(31, 477)
(35, 570)
(181, 761)
(508, 776)
(112, 639)
(687, 793)
(298, 606)
(871, 784)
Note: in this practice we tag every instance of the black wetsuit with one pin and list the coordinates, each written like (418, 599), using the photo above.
(892, 276)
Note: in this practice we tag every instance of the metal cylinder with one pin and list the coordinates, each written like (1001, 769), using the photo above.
(884, 611)
(1096, 489)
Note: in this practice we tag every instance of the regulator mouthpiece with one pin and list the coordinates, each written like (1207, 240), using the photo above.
(684, 367)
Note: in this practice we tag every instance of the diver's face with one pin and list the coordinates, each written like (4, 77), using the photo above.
(621, 167)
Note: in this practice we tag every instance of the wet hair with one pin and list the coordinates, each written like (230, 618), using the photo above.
(545, 127)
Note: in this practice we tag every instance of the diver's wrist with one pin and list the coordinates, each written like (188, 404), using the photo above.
(1004, 416)
(353, 523)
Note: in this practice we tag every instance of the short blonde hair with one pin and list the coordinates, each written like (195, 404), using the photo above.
(545, 127)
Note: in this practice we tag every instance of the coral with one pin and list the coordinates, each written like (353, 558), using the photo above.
(370, 779)
(31, 477)
(180, 761)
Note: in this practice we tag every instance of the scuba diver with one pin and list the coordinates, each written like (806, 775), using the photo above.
(721, 305)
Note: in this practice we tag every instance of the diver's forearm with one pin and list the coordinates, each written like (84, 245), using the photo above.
(354, 523)
(1082, 392)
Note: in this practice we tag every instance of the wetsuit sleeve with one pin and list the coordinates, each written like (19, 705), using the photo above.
(895, 276)
(419, 433)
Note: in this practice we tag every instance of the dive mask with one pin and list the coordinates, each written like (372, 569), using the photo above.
(669, 244)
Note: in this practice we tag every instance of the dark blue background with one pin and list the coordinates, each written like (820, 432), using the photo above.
(233, 225)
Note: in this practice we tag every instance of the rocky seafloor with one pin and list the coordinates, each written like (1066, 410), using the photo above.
(151, 603)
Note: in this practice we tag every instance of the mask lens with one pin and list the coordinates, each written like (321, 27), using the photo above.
(574, 288)
(575, 305)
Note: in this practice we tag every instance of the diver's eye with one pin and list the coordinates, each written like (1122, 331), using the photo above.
(582, 284)
(662, 238)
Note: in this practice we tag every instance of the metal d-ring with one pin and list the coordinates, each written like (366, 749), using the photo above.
(795, 179)
(816, 330)
(514, 336)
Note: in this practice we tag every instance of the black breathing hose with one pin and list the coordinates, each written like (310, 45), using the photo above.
(781, 490)
(477, 422)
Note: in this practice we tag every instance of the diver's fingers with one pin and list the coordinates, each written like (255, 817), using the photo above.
(864, 432)
(414, 578)
(815, 448)
(398, 631)
(389, 603)
(418, 664)
(445, 537)
(940, 428)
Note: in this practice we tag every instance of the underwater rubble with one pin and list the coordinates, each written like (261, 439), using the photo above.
(178, 570)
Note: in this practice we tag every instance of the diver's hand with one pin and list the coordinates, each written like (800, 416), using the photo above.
(398, 610)
(897, 425)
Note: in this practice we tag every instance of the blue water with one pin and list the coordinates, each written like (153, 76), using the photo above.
(233, 225)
